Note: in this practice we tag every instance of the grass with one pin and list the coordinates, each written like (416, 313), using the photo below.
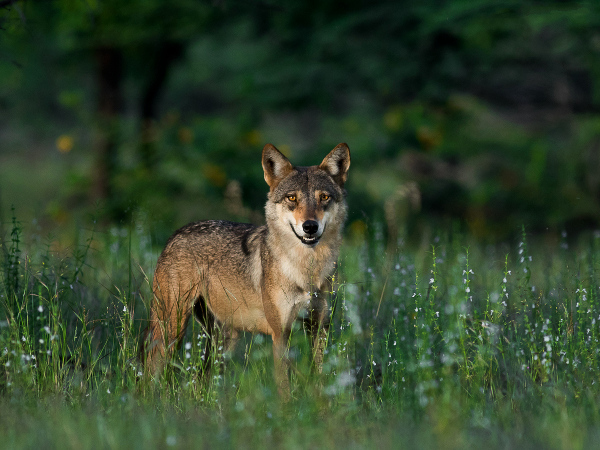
(454, 345)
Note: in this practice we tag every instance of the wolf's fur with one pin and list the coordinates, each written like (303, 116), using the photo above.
(257, 279)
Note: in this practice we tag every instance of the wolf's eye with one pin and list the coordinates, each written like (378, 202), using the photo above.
(291, 198)
(324, 197)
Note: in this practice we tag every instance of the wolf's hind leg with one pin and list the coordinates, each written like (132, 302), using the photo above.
(168, 323)
(219, 341)
(210, 334)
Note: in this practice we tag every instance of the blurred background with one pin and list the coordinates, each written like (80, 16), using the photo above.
(479, 115)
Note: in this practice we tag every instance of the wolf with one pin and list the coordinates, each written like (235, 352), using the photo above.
(236, 277)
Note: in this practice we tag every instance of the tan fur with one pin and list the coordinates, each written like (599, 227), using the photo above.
(256, 279)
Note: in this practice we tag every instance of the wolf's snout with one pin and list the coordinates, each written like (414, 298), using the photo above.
(310, 227)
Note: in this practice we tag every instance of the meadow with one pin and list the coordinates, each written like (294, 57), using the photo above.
(450, 344)
(452, 326)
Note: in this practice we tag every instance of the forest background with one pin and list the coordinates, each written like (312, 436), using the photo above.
(482, 115)
(466, 303)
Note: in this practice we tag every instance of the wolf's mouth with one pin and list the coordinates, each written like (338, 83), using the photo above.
(310, 241)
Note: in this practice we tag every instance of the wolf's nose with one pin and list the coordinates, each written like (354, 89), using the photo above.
(310, 226)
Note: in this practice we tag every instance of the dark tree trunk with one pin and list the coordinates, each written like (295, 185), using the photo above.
(110, 74)
(167, 54)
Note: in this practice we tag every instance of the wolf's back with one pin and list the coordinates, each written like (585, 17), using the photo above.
(222, 245)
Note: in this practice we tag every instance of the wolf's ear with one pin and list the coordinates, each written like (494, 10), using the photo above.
(337, 163)
(275, 165)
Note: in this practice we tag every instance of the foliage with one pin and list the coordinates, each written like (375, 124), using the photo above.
(490, 107)
(476, 116)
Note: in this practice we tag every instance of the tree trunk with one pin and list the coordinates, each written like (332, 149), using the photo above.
(167, 54)
(110, 74)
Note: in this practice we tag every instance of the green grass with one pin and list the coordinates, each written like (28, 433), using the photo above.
(453, 345)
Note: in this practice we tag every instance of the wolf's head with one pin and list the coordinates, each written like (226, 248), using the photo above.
(306, 203)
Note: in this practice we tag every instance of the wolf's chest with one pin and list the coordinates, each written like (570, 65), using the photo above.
(307, 271)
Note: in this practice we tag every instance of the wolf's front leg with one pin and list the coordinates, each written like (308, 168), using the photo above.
(282, 364)
(280, 334)
(318, 322)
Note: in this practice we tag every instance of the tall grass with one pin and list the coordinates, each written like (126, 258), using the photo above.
(455, 344)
